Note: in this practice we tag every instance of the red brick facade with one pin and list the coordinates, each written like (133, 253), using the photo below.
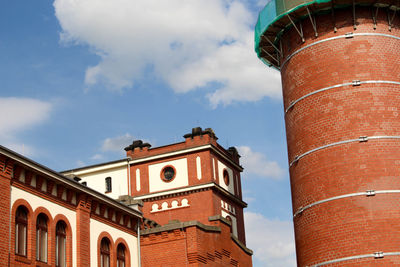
(6, 166)
(191, 245)
(83, 231)
(198, 223)
(39, 191)
(342, 99)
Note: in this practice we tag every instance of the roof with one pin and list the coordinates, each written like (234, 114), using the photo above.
(279, 15)
(67, 181)
(95, 165)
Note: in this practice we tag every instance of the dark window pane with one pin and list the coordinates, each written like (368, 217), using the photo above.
(61, 244)
(21, 223)
(41, 238)
(121, 256)
(108, 184)
(105, 252)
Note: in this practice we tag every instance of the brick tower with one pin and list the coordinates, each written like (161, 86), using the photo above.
(340, 68)
(192, 190)
(190, 196)
(191, 180)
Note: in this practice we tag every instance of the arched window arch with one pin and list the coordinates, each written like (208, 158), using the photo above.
(61, 244)
(105, 252)
(41, 237)
(21, 231)
(121, 251)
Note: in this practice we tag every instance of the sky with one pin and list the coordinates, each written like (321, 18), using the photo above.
(81, 79)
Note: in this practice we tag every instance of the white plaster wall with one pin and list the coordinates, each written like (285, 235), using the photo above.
(214, 171)
(237, 183)
(230, 187)
(53, 208)
(96, 228)
(198, 167)
(119, 181)
(234, 222)
(174, 204)
(181, 178)
(137, 179)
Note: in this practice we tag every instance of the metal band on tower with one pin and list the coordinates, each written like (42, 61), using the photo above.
(340, 68)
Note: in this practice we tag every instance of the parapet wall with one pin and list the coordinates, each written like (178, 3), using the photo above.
(195, 244)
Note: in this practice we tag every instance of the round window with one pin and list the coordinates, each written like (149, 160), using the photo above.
(168, 173)
(226, 177)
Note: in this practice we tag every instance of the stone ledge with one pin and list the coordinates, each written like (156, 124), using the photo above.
(220, 218)
(179, 225)
(241, 245)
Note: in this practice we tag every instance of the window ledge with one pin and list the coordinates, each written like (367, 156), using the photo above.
(22, 259)
(42, 264)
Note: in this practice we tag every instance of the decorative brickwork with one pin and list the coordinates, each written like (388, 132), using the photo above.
(6, 167)
(193, 244)
(178, 182)
(83, 230)
(42, 193)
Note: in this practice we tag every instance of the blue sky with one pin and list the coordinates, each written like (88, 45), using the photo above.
(81, 79)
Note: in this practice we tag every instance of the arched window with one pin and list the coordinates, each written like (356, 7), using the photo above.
(105, 253)
(121, 255)
(61, 244)
(21, 226)
(41, 238)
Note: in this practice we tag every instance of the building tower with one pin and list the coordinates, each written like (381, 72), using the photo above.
(190, 196)
(340, 68)
(187, 181)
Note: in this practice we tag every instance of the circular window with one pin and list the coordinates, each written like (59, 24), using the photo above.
(168, 174)
(226, 177)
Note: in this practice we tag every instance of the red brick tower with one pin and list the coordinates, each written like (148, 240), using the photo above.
(192, 190)
(204, 180)
(340, 67)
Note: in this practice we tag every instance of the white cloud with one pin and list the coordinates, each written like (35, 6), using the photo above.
(20, 114)
(97, 157)
(23, 113)
(117, 144)
(262, 3)
(21, 148)
(248, 199)
(272, 241)
(188, 44)
(257, 163)
(80, 163)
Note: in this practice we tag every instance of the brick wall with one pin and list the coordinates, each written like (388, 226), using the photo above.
(354, 225)
(202, 203)
(40, 195)
(193, 246)
(6, 166)
(83, 231)
(201, 207)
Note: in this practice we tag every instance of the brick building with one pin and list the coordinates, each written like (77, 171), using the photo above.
(175, 205)
(339, 62)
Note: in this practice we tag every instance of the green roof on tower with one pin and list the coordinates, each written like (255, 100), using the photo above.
(278, 15)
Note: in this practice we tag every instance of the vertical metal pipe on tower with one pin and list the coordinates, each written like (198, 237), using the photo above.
(340, 67)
